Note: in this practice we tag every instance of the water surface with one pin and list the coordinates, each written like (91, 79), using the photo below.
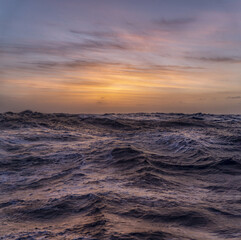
(120, 176)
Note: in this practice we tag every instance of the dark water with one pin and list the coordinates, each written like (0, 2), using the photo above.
(120, 176)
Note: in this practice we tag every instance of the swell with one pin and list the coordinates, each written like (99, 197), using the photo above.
(129, 158)
(179, 216)
(55, 208)
(58, 121)
(18, 163)
(222, 165)
(88, 207)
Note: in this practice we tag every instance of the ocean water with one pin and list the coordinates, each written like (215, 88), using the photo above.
(120, 176)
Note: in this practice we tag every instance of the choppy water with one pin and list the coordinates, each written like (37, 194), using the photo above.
(120, 176)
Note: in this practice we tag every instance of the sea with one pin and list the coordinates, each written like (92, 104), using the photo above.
(144, 176)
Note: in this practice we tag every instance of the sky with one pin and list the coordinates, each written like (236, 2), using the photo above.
(102, 56)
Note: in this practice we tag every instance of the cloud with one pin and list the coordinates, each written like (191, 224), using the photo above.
(119, 66)
(217, 59)
(63, 48)
(99, 45)
(87, 41)
(174, 24)
(79, 82)
(96, 34)
(96, 75)
(68, 64)
(72, 64)
(234, 97)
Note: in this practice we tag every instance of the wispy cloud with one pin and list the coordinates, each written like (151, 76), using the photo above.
(234, 97)
(59, 48)
(174, 24)
(96, 34)
(68, 64)
(116, 66)
(217, 59)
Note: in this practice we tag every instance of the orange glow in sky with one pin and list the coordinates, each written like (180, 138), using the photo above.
(151, 56)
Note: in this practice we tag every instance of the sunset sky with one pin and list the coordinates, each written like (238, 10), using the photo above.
(97, 56)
